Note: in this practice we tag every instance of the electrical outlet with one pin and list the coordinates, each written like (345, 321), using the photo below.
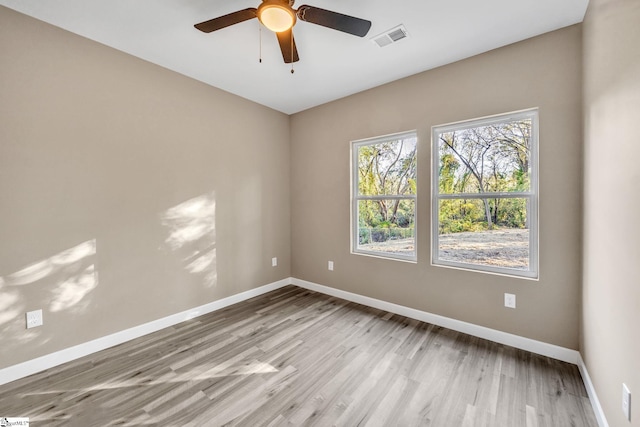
(274, 262)
(330, 266)
(34, 318)
(510, 300)
(626, 401)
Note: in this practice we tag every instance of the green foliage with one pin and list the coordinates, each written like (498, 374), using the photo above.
(484, 159)
(383, 234)
(458, 215)
(386, 169)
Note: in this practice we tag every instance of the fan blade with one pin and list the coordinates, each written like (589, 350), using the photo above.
(227, 20)
(337, 21)
(286, 40)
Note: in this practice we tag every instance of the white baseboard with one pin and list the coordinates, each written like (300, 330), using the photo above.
(39, 364)
(42, 363)
(591, 391)
(538, 347)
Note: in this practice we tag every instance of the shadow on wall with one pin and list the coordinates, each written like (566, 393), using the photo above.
(191, 235)
(62, 283)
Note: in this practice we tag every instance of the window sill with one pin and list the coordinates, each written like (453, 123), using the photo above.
(474, 268)
(411, 260)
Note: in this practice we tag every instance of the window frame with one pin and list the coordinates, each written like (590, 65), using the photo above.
(356, 197)
(532, 195)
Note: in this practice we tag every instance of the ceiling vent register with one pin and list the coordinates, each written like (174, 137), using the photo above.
(391, 36)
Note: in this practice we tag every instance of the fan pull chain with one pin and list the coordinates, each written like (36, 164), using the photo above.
(260, 32)
(291, 32)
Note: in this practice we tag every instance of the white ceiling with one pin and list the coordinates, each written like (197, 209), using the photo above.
(332, 64)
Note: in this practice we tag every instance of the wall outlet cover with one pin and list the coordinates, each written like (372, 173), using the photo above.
(274, 262)
(34, 318)
(509, 300)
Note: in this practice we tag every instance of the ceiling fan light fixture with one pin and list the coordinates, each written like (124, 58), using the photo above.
(276, 16)
(279, 16)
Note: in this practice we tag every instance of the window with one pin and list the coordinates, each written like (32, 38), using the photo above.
(485, 201)
(384, 196)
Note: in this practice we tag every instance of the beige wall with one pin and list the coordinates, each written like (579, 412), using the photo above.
(543, 72)
(127, 192)
(610, 341)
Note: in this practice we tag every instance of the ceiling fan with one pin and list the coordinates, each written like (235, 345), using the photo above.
(279, 16)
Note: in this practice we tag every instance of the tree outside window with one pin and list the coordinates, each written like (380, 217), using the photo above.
(384, 196)
(485, 194)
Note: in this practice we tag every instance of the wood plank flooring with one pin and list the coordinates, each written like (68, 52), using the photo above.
(293, 357)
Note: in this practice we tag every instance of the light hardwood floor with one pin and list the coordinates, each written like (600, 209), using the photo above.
(293, 357)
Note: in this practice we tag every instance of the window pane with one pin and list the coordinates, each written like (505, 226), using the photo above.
(488, 158)
(465, 235)
(387, 168)
(387, 226)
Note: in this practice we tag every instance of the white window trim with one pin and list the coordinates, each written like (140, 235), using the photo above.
(355, 198)
(532, 195)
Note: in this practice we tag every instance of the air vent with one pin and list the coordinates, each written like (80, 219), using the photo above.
(391, 36)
